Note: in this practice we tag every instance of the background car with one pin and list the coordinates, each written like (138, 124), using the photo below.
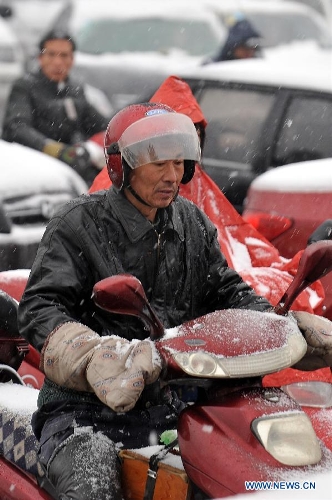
(279, 22)
(263, 113)
(124, 49)
(324, 7)
(11, 61)
(32, 187)
(30, 19)
(288, 203)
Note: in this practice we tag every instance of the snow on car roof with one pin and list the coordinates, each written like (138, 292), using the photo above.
(133, 9)
(259, 6)
(25, 171)
(301, 177)
(187, 23)
(300, 65)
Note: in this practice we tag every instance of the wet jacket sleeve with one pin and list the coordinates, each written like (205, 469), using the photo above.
(18, 124)
(59, 275)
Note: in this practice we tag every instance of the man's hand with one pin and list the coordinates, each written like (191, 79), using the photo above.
(317, 331)
(76, 156)
(119, 370)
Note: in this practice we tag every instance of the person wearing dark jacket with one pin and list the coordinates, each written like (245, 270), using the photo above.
(242, 42)
(102, 389)
(48, 110)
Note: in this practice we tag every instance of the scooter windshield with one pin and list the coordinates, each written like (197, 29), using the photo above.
(160, 137)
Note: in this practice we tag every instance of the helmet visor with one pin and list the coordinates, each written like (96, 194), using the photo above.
(160, 137)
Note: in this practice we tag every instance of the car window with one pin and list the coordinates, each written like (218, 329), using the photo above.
(7, 54)
(279, 29)
(235, 121)
(306, 132)
(322, 6)
(100, 36)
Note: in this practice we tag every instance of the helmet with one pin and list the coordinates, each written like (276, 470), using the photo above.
(142, 133)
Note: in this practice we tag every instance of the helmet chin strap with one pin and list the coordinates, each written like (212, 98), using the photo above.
(137, 196)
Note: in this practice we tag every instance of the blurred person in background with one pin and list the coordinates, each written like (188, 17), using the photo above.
(243, 42)
(47, 110)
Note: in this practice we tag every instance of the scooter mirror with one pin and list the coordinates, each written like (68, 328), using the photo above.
(316, 262)
(124, 294)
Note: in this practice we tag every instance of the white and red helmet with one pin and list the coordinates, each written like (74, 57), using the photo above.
(143, 133)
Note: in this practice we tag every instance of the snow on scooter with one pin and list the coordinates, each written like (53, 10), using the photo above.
(236, 431)
(249, 433)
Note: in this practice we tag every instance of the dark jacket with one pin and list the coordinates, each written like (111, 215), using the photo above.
(179, 264)
(182, 269)
(37, 110)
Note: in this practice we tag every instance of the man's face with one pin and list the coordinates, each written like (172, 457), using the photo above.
(56, 59)
(157, 184)
(243, 52)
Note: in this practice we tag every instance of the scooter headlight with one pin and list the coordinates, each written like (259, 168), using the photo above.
(199, 364)
(289, 438)
(203, 364)
(312, 393)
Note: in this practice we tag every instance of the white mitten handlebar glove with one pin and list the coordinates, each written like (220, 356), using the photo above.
(317, 331)
(117, 370)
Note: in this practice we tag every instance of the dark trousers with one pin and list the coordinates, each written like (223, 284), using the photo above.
(86, 467)
(79, 444)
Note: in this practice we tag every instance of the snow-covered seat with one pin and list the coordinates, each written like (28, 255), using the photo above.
(18, 444)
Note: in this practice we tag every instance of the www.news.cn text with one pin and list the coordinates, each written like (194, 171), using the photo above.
(279, 485)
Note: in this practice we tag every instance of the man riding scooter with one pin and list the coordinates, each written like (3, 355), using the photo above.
(101, 390)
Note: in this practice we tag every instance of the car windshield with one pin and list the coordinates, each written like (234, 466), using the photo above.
(306, 131)
(7, 54)
(236, 120)
(282, 30)
(100, 36)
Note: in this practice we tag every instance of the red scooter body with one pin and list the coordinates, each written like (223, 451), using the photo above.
(15, 484)
(229, 351)
(218, 448)
(223, 422)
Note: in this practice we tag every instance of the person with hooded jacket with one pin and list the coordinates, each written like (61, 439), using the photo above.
(242, 42)
(102, 389)
(47, 110)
